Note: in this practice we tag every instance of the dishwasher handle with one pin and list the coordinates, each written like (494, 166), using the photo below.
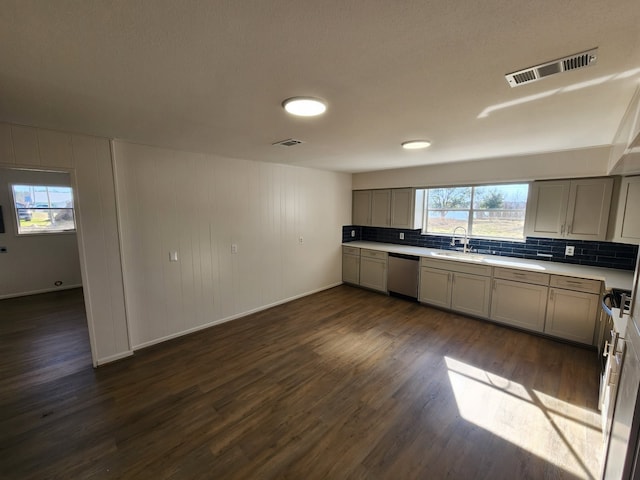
(402, 255)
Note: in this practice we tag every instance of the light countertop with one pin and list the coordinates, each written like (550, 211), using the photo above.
(612, 277)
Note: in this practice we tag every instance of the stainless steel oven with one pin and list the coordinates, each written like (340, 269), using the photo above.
(615, 308)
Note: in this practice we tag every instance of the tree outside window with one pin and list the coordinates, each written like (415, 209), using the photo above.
(491, 211)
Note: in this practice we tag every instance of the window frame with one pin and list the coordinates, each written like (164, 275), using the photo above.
(50, 209)
(472, 210)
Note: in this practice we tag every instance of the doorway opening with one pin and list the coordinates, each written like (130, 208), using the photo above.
(44, 321)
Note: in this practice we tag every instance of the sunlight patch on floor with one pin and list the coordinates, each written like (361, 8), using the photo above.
(516, 414)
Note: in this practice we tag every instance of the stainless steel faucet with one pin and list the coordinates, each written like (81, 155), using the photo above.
(465, 240)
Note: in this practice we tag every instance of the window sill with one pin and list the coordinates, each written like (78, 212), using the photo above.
(477, 237)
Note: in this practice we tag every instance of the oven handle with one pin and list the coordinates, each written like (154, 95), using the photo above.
(605, 307)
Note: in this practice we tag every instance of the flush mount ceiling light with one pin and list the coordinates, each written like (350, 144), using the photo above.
(415, 144)
(304, 106)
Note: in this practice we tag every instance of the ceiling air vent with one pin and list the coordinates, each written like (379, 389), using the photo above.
(289, 142)
(538, 72)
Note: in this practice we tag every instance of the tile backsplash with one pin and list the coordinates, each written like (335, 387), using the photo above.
(597, 254)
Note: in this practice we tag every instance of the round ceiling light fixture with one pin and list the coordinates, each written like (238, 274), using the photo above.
(304, 106)
(415, 144)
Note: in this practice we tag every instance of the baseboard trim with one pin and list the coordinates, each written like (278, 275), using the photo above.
(230, 318)
(113, 358)
(36, 292)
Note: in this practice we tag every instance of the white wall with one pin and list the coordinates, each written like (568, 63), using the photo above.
(88, 160)
(33, 263)
(592, 162)
(625, 153)
(199, 205)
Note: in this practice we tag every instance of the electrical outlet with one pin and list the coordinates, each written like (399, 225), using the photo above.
(353, 234)
(3, 249)
(401, 235)
(234, 248)
(300, 239)
(569, 250)
(173, 256)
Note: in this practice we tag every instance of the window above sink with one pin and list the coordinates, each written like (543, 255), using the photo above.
(485, 211)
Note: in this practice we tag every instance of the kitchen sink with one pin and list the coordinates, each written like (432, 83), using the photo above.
(474, 257)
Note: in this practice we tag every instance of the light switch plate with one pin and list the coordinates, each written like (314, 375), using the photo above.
(234, 248)
(173, 256)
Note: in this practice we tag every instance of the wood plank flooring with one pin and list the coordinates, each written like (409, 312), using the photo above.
(343, 384)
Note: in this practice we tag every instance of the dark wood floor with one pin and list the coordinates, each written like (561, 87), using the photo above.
(342, 384)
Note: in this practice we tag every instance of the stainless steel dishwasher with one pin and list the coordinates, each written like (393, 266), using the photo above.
(402, 276)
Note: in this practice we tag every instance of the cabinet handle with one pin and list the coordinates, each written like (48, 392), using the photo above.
(551, 295)
(562, 229)
(569, 229)
(494, 285)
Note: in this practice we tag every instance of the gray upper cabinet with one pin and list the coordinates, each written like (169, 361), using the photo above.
(396, 208)
(571, 209)
(547, 208)
(380, 208)
(361, 212)
(406, 208)
(627, 226)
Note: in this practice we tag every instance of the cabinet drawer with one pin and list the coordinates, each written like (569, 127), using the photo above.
(373, 254)
(536, 278)
(350, 250)
(455, 266)
(577, 284)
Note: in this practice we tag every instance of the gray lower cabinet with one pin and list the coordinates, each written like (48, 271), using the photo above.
(351, 265)
(519, 298)
(470, 294)
(435, 287)
(457, 286)
(519, 304)
(572, 315)
(572, 308)
(373, 269)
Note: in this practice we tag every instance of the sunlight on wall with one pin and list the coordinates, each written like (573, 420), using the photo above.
(488, 400)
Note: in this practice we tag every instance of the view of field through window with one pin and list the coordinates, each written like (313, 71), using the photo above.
(492, 211)
(43, 209)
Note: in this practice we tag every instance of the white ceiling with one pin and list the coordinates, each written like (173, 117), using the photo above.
(209, 76)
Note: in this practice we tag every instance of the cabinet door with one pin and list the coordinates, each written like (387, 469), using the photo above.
(435, 287)
(628, 217)
(571, 315)
(519, 304)
(351, 269)
(406, 208)
(361, 211)
(380, 208)
(547, 209)
(588, 209)
(373, 273)
(470, 294)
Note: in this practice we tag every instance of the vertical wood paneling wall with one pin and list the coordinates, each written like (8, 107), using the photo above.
(88, 159)
(199, 205)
